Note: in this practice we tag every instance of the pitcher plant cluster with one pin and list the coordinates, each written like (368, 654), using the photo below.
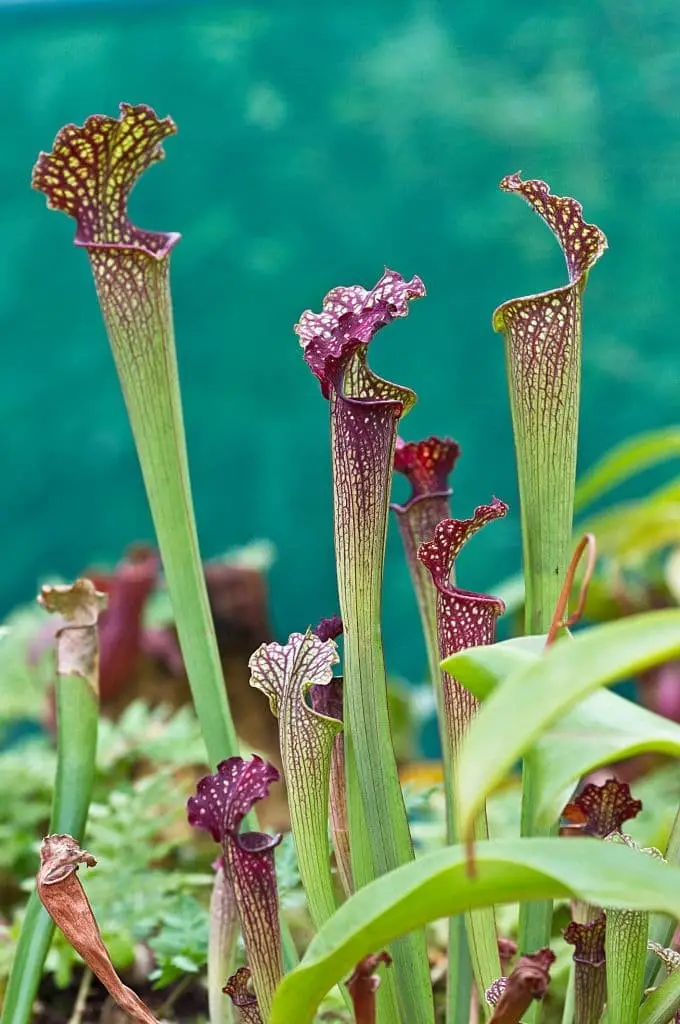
(369, 898)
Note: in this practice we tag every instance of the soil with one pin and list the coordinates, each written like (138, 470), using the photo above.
(55, 1006)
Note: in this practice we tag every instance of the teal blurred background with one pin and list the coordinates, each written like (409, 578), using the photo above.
(316, 144)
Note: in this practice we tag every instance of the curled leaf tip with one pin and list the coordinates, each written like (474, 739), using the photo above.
(79, 603)
(276, 669)
(78, 634)
(329, 629)
(582, 243)
(60, 856)
(223, 800)
(350, 317)
(286, 673)
(240, 991)
(219, 806)
(426, 465)
(601, 810)
(588, 940)
(92, 169)
(450, 536)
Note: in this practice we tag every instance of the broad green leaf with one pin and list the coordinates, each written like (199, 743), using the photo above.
(439, 885)
(604, 728)
(625, 461)
(537, 694)
(481, 669)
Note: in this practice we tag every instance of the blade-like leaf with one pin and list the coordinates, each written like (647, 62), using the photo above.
(633, 530)
(481, 669)
(77, 706)
(625, 461)
(664, 1001)
(536, 695)
(603, 729)
(438, 885)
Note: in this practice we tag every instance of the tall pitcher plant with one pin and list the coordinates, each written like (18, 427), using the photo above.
(364, 414)
(89, 175)
(543, 339)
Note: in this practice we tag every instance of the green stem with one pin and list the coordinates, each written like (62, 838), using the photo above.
(459, 966)
(77, 717)
(362, 872)
(543, 586)
(535, 917)
(222, 937)
(380, 839)
(568, 1010)
(626, 950)
(149, 378)
(459, 974)
(417, 521)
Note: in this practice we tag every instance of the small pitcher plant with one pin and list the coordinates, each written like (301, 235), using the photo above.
(370, 898)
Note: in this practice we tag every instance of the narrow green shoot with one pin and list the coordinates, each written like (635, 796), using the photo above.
(222, 939)
(77, 701)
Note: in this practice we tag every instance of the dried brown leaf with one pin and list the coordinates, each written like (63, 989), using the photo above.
(65, 900)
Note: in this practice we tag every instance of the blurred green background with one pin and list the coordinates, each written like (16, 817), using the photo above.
(316, 144)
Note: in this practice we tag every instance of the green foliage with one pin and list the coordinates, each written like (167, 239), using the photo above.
(441, 884)
(143, 889)
(180, 946)
(536, 694)
(22, 688)
(26, 780)
(602, 729)
(626, 460)
(663, 1003)
(149, 886)
(158, 735)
